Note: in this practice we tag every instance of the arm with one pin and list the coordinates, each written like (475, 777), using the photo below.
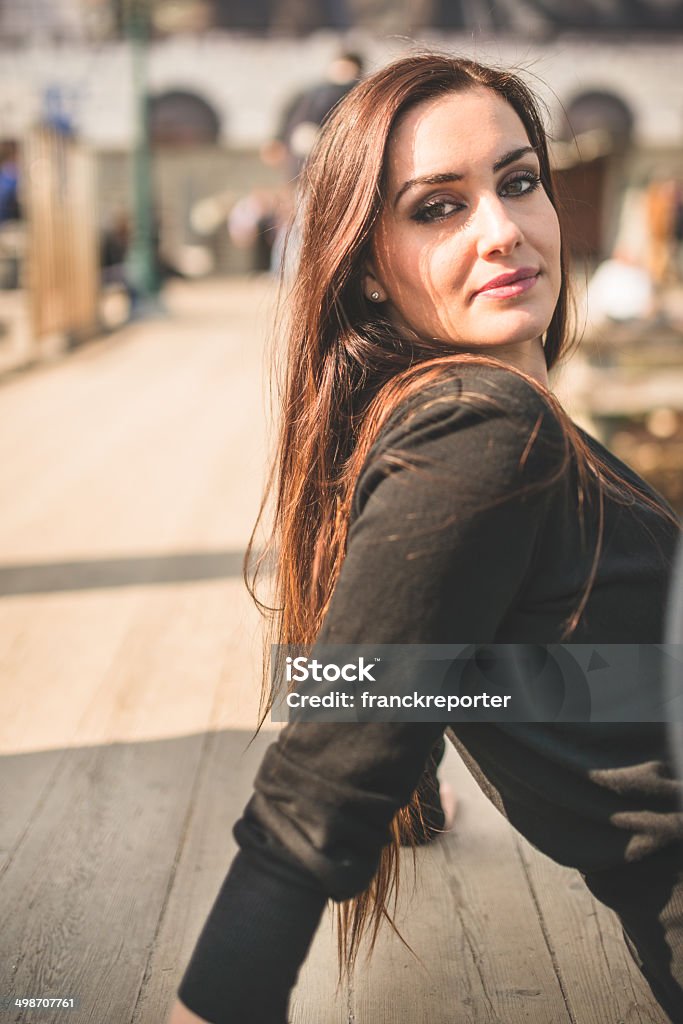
(436, 554)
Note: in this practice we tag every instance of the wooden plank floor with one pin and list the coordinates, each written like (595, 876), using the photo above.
(129, 657)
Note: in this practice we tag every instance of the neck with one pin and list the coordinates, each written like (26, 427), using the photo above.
(527, 356)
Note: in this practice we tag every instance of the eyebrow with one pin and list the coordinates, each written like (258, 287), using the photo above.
(440, 179)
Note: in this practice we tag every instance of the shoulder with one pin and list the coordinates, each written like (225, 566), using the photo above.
(469, 402)
(513, 393)
(487, 427)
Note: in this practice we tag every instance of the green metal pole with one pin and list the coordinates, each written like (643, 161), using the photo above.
(141, 263)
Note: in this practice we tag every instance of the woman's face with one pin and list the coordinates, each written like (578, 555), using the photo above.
(467, 247)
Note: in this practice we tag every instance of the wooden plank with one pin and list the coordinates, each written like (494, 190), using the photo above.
(46, 696)
(509, 974)
(471, 919)
(224, 785)
(162, 679)
(23, 781)
(94, 460)
(97, 858)
(62, 253)
(83, 268)
(601, 982)
(57, 657)
(82, 900)
(316, 998)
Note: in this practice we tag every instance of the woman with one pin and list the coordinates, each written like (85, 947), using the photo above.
(430, 489)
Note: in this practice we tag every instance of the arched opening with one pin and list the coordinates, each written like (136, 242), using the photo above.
(595, 131)
(179, 118)
(599, 111)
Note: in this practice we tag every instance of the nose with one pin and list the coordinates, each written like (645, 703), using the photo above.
(498, 233)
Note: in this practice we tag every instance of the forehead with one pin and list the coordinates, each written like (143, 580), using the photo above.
(453, 133)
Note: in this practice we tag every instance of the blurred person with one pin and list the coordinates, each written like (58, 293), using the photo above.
(661, 206)
(620, 290)
(300, 123)
(429, 488)
(307, 111)
(255, 221)
(115, 241)
(10, 209)
(12, 228)
(678, 232)
(674, 636)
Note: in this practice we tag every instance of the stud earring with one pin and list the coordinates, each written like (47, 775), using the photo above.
(374, 296)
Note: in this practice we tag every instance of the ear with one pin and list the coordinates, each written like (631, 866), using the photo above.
(372, 289)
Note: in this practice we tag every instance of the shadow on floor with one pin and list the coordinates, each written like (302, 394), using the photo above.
(98, 573)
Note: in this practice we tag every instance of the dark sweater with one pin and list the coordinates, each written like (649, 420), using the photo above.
(472, 535)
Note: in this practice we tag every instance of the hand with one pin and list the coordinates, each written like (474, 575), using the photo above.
(181, 1015)
(449, 805)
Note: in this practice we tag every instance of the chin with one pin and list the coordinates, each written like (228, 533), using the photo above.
(517, 330)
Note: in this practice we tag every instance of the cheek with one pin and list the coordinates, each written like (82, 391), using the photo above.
(400, 263)
(557, 266)
(451, 264)
(435, 265)
(420, 272)
(552, 241)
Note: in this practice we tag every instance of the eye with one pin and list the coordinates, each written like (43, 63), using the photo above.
(435, 209)
(522, 183)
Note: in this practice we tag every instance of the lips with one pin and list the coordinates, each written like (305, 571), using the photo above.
(513, 283)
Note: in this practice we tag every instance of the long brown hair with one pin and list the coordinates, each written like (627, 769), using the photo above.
(347, 370)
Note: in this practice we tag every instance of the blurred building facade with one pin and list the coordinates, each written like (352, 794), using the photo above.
(244, 79)
(219, 72)
(99, 19)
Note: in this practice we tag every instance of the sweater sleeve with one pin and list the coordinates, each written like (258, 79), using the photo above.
(444, 526)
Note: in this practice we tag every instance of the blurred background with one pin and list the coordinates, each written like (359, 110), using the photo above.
(148, 145)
